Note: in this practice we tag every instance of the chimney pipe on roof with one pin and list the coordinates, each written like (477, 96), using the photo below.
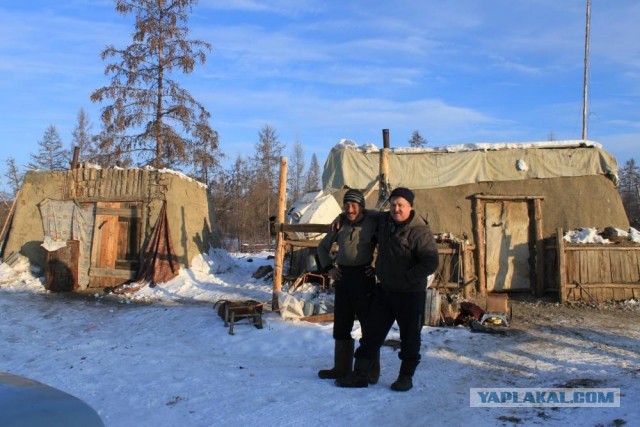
(383, 176)
(76, 154)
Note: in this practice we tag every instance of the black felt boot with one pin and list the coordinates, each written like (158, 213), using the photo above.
(374, 372)
(342, 361)
(405, 377)
(359, 378)
(403, 383)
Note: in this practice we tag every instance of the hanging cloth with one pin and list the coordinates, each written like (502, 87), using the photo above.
(159, 261)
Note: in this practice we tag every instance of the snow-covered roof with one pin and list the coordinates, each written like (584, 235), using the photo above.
(353, 166)
(479, 146)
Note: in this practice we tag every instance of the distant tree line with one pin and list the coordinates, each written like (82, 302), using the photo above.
(629, 188)
(243, 195)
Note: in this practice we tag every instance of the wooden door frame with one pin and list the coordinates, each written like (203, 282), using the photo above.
(96, 272)
(478, 206)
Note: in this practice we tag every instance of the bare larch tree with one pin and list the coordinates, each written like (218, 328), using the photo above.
(164, 120)
(51, 155)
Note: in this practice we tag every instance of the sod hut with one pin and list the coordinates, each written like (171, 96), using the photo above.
(93, 228)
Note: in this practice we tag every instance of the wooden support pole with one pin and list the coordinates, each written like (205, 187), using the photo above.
(463, 262)
(479, 235)
(303, 228)
(562, 278)
(537, 208)
(279, 256)
(7, 223)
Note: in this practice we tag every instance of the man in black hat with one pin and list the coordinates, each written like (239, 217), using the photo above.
(354, 281)
(407, 255)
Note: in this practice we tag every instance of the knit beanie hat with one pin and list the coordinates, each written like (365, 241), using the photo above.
(403, 192)
(355, 196)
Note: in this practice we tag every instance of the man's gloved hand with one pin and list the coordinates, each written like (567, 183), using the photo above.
(335, 274)
(370, 271)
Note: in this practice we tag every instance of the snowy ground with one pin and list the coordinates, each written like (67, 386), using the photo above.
(162, 357)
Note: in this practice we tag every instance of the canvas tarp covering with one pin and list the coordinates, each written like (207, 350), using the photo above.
(64, 220)
(354, 168)
(159, 262)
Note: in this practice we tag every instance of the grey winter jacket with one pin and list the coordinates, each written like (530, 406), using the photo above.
(356, 243)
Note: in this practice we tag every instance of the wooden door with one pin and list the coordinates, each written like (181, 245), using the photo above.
(508, 255)
(61, 270)
(115, 249)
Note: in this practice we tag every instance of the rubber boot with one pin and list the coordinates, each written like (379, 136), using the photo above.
(359, 378)
(342, 361)
(374, 372)
(405, 377)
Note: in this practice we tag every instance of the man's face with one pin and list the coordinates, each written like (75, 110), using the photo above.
(352, 210)
(400, 209)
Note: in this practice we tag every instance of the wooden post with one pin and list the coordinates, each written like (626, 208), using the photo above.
(537, 205)
(562, 285)
(7, 222)
(279, 256)
(479, 234)
(463, 262)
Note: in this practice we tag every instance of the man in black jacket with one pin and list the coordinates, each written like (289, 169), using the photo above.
(407, 255)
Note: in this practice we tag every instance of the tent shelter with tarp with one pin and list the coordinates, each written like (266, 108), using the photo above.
(94, 228)
(496, 206)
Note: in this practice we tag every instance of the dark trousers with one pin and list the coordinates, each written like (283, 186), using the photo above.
(406, 308)
(353, 294)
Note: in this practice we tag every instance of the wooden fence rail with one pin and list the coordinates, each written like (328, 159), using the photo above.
(595, 272)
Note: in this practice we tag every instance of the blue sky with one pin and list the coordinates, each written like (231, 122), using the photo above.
(458, 71)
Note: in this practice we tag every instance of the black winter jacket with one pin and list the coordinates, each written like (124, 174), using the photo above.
(407, 253)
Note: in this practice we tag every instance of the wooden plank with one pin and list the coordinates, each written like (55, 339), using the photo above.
(630, 262)
(467, 271)
(593, 267)
(318, 318)
(602, 292)
(583, 274)
(598, 247)
(562, 283)
(479, 235)
(495, 246)
(302, 228)
(539, 236)
(123, 240)
(111, 199)
(604, 264)
(615, 294)
(302, 243)
(572, 267)
(608, 285)
(112, 273)
(105, 244)
(279, 253)
(501, 197)
(122, 212)
(615, 259)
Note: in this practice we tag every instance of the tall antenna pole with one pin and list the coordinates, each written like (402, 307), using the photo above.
(586, 72)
